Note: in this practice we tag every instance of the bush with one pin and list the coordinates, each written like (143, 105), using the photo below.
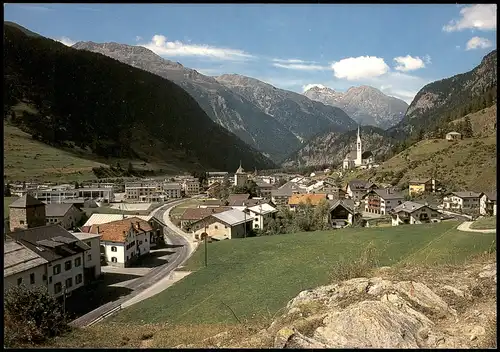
(31, 316)
(361, 267)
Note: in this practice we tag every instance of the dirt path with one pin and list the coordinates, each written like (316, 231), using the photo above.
(465, 226)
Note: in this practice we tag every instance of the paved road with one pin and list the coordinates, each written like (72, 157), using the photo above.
(465, 226)
(179, 244)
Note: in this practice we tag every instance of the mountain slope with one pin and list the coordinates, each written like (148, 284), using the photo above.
(365, 105)
(221, 104)
(302, 116)
(445, 100)
(332, 147)
(113, 109)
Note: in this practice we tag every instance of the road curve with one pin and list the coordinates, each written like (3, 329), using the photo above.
(465, 226)
(179, 244)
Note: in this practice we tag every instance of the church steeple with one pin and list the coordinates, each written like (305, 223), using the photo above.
(359, 149)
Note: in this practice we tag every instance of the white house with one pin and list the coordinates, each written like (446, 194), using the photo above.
(488, 204)
(63, 252)
(123, 241)
(261, 214)
(23, 266)
(92, 257)
(464, 201)
(382, 201)
(414, 213)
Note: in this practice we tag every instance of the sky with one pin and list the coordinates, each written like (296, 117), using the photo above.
(395, 48)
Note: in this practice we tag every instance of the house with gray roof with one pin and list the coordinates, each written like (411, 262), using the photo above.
(414, 213)
(342, 212)
(382, 201)
(488, 203)
(63, 255)
(467, 201)
(64, 214)
(226, 225)
(23, 266)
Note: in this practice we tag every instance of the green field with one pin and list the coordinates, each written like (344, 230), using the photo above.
(257, 276)
(179, 209)
(486, 223)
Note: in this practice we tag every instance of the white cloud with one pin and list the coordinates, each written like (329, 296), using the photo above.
(293, 61)
(161, 46)
(301, 67)
(457, 47)
(480, 16)
(399, 85)
(66, 41)
(478, 43)
(356, 68)
(409, 63)
(312, 85)
(35, 8)
(138, 38)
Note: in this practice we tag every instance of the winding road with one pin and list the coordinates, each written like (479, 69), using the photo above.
(465, 226)
(178, 243)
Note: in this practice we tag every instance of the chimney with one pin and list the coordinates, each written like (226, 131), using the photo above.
(426, 203)
(413, 207)
(213, 210)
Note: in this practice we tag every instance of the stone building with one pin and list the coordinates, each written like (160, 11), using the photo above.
(240, 177)
(25, 213)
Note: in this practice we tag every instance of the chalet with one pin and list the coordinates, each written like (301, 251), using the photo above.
(342, 212)
(237, 199)
(419, 186)
(463, 201)
(356, 189)
(66, 215)
(264, 189)
(382, 201)
(414, 213)
(280, 196)
(226, 225)
(123, 241)
(453, 136)
(488, 203)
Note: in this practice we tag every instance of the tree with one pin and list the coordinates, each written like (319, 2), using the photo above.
(31, 316)
(467, 128)
(6, 191)
(321, 214)
(77, 185)
(130, 168)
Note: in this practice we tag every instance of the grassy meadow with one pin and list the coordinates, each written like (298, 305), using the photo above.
(485, 223)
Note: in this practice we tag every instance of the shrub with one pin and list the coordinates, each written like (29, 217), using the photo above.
(360, 267)
(31, 316)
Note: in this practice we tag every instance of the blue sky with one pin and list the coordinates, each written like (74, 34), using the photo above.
(395, 48)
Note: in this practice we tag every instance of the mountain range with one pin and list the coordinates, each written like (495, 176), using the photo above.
(364, 104)
(93, 102)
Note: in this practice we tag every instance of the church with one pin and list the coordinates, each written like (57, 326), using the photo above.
(358, 158)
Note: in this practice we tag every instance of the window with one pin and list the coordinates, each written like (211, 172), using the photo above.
(113, 259)
(57, 269)
(50, 280)
(67, 265)
(78, 279)
(113, 249)
(89, 257)
(21, 222)
(216, 227)
(78, 262)
(32, 278)
(140, 242)
(69, 282)
(19, 281)
(57, 287)
(145, 240)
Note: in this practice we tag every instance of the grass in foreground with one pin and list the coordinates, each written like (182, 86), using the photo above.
(486, 223)
(251, 279)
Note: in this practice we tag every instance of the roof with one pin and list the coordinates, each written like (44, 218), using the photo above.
(467, 194)
(51, 242)
(420, 181)
(296, 199)
(410, 207)
(25, 201)
(387, 193)
(82, 236)
(360, 184)
(262, 184)
(492, 196)
(97, 219)
(282, 192)
(263, 209)
(352, 155)
(237, 199)
(240, 170)
(116, 231)
(172, 186)
(18, 258)
(57, 210)
(346, 203)
(201, 213)
(233, 217)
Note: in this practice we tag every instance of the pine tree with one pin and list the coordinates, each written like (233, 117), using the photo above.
(467, 128)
